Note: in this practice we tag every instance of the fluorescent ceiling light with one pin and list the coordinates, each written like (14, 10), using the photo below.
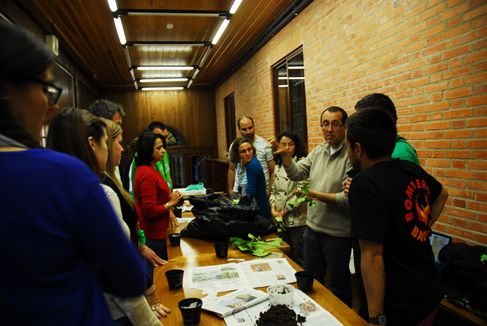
(235, 6)
(282, 78)
(295, 67)
(190, 82)
(282, 85)
(220, 31)
(161, 88)
(121, 34)
(166, 68)
(149, 80)
(296, 78)
(113, 5)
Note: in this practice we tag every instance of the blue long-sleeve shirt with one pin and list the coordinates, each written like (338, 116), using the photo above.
(256, 186)
(61, 244)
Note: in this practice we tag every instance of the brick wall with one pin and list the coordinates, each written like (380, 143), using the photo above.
(430, 57)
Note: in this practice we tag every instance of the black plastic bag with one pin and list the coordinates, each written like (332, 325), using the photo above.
(464, 275)
(217, 217)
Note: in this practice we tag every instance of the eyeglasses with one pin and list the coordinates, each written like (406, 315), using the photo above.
(53, 92)
(334, 125)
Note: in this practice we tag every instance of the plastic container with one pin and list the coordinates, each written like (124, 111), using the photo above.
(175, 239)
(305, 280)
(221, 250)
(190, 310)
(281, 294)
(175, 278)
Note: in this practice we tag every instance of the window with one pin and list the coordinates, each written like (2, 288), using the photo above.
(230, 120)
(174, 138)
(289, 94)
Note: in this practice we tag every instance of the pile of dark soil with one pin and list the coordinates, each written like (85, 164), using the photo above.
(280, 315)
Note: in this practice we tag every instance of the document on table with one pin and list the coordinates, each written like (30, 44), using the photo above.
(233, 302)
(266, 272)
(303, 305)
(218, 278)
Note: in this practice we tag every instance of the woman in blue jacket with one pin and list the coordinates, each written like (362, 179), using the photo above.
(249, 174)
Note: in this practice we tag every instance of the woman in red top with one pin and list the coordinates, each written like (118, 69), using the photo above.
(151, 192)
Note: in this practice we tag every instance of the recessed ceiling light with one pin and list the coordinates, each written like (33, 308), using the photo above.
(165, 68)
(169, 26)
(150, 80)
(161, 88)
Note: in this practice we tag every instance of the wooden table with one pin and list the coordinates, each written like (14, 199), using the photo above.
(452, 315)
(191, 247)
(198, 252)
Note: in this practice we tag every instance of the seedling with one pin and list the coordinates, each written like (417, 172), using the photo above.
(280, 224)
(257, 246)
(303, 198)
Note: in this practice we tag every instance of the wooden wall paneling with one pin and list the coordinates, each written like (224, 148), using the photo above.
(65, 79)
(85, 95)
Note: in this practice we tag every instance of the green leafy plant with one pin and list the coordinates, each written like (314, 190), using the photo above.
(280, 224)
(303, 198)
(257, 246)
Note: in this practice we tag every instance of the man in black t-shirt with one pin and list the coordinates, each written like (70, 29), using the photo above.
(394, 203)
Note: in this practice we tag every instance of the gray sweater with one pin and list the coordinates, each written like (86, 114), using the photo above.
(326, 174)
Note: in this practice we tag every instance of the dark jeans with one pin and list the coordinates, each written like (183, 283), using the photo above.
(294, 238)
(160, 248)
(321, 251)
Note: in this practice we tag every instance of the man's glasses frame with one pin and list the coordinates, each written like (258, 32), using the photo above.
(53, 91)
(334, 125)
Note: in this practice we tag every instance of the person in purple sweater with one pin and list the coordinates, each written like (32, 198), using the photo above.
(249, 174)
(61, 243)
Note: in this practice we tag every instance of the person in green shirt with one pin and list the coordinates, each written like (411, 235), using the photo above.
(403, 149)
(162, 167)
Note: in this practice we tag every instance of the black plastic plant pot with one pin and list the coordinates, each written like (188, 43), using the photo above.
(175, 239)
(190, 310)
(221, 250)
(305, 280)
(175, 278)
(178, 212)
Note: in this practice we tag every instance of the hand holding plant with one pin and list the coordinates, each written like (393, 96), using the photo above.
(303, 196)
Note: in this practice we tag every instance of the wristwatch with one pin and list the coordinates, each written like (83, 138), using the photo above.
(379, 320)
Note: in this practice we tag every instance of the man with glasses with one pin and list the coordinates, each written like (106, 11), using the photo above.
(327, 237)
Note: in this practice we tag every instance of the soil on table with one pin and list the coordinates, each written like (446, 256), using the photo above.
(280, 315)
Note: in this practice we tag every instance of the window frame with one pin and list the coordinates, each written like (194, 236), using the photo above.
(280, 64)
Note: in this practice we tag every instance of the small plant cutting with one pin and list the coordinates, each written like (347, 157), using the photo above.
(280, 224)
(303, 198)
(258, 247)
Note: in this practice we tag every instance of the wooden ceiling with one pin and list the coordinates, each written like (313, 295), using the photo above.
(89, 28)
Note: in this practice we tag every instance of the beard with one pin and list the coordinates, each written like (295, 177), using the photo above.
(250, 136)
(357, 165)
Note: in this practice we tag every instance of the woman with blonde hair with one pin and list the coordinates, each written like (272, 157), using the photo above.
(129, 214)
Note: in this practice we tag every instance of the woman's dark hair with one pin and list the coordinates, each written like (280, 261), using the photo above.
(69, 131)
(235, 146)
(145, 147)
(298, 141)
(22, 57)
(374, 129)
